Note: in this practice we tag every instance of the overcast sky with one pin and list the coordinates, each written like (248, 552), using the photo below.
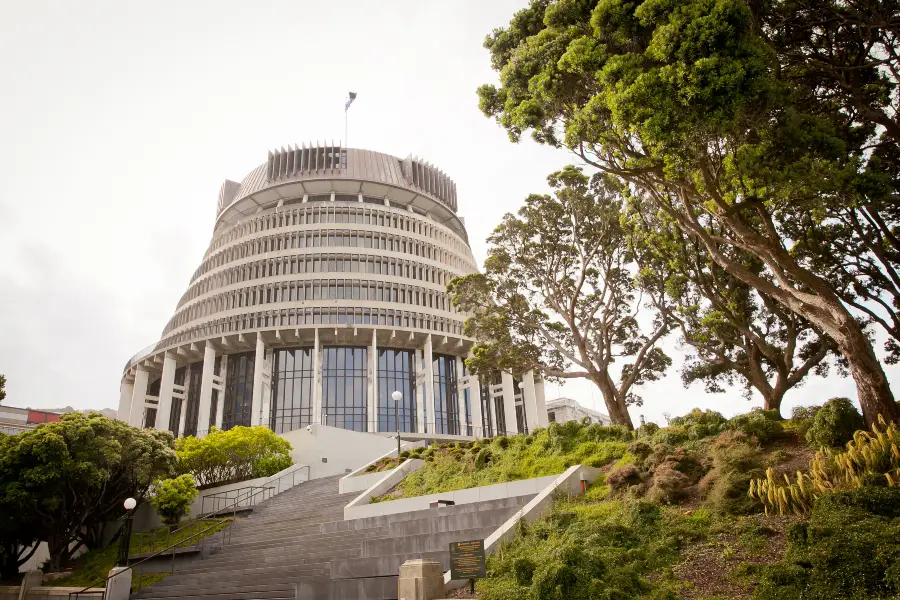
(120, 120)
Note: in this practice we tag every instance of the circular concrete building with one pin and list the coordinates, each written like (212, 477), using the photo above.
(323, 292)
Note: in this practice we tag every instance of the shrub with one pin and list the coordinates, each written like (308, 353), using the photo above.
(234, 455)
(736, 459)
(647, 430)
(173, 497)
(699, 424)
(764, 425)
(802, 418)
(621, 478)
(502, 442)
(870, 458)
(669, 485)
(849, 549)
(670, 436)
(834, 424)
(640, 450)
(482, 458)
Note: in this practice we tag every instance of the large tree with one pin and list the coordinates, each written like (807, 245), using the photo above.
(737, 334)
(558, 295)
(64, 480)
(685, 102)
(2, 387)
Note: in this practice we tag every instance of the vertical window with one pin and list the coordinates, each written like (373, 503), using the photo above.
(467, 399)
(194, 378)
(446, 395)
(292, 390)
(396, 373)
(345, 383)
(238, 391)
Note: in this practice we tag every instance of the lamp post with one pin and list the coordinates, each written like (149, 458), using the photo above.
(125, 539)
(397, 396)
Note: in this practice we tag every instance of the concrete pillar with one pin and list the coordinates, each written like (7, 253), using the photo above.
(421, 579)
(372, 383)
(475, 394)
(541, 403)
(258, 367)
(529, 401)
(420, 394)
(32, 579)
(220, 409)
(461, 398)
(428, 356)
(509, 403)
(126, 393)
(206, 388)
(166, 387)
(119, 587)
(141, 381)
(183, 416)
(318, 417)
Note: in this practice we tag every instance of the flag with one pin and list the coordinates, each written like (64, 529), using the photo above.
(350, 100)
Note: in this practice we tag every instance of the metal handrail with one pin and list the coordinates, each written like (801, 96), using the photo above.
(244, 494)
(293, 474)
(171, 547)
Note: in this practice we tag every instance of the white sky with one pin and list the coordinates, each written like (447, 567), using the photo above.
(120, 120)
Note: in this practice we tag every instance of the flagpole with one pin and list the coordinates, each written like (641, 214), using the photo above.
(346, 143)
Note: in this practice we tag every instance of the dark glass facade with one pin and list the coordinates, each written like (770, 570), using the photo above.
(396, 372)
(214, 405)
(177, 403)
(192, 406)
(487, 415)
(293, 382)
(345, 387)
(499, 409)
(238, 390)
(446, 395)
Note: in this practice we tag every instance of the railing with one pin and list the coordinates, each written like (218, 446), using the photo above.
(200, 535)
(240, 498)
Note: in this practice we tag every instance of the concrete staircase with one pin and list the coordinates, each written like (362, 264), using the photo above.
(299, 540)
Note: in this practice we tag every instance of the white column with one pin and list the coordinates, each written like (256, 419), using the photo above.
(539, 400)
(265, 410)
(126, 392)
(372, 383)
(317, 380)
(475, 393)
(509, 403)
(428, 356)
(420, 395)
(206, 388)
(166, 387)
(220, 409)
(529, 401)
(258, 364)
(183, 415)
(141, 381)
(460, 397)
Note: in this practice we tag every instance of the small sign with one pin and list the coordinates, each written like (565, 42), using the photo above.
(467, 560)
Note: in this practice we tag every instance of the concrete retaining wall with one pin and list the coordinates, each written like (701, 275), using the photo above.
(359, 480)
(361, 506)
(567, 484)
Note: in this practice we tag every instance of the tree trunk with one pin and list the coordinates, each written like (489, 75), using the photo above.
(872, 388)
(618, 410)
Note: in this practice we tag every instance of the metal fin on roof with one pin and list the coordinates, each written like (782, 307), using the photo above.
(429, 179)
(288, 162)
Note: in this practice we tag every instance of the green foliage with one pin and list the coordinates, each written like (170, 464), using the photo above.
(235, 455)
(589, 551)
(623, 478)
(802, 418)
(762, 424)
(834, 424)
(736, 459)
(849, 549)
(63, 480)
(869, 459)
(544, 452)
(172, 498)
(700, 424)
(670, 436)
(2, 387)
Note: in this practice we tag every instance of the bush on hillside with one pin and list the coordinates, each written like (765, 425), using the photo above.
(172, 498)
(802, 418)
(762, 424)
(834, 424)
(647, 430)
(736, 460)
(230, 456)
(622, 478)
(669, 485)
(849, 549)
(670, 436)
(699, 424)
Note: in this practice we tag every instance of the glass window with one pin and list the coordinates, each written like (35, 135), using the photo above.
(345, 383)
(292, 390)
(396, 372)
(194, 378)
(446, 395)
(238, 391)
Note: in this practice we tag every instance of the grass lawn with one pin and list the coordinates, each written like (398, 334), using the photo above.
(93, 566)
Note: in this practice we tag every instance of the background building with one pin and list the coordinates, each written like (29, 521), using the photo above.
(561, 410)
(323, 291)
(16, 420)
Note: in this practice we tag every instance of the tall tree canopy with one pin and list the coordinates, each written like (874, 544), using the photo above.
(686, 102)
(64, 480)
(558, 294)
(2, 387)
